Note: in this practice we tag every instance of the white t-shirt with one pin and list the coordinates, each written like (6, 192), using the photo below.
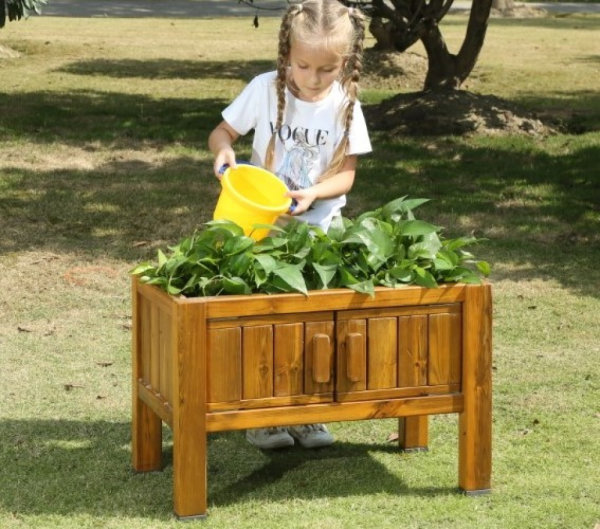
(306, 140)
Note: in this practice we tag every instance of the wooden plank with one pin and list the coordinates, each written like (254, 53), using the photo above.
(189, 412)
(146, 427)
(325, 353)
(224, 365)
(288, 361)
(157, 296)
(328, 300)
(399, 311)
(154, 347)
(156, 402)
(475, 420)
(413, 433)
(166, 356)
(145, 339)
(382, 353)
(331, 412)
(291, 400)
(271, 319)
(257, 362)
(445, 342)
(351, 355)
(395, 393)
(412, 351)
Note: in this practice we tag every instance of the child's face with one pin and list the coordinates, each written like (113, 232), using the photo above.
(313, 70)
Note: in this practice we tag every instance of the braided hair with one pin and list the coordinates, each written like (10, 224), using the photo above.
(341, 28)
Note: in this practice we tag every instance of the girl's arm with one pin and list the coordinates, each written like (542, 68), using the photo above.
(339, 184)
(220, 143)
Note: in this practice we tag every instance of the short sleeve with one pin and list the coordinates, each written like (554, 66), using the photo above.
(241, 113)
(359, 135)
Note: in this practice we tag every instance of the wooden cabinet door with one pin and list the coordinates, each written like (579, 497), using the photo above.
(281, 360)
(398, 352)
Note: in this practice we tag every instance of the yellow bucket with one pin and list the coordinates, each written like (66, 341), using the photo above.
(251, 195)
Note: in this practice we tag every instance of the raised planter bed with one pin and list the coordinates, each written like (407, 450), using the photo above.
(235, 362)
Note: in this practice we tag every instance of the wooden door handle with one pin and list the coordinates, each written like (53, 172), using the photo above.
(321, 361)
(355, 356)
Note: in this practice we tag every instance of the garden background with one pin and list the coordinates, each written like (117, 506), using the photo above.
(103, 160)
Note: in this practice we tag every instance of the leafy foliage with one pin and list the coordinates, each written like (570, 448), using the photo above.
(17, 9)
(386, 247)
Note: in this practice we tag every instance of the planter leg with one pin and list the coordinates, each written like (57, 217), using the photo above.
(413, 433)
(189, 415)
(475, 422)
(146, 438)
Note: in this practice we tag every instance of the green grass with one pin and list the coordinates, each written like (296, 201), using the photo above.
(103, 159)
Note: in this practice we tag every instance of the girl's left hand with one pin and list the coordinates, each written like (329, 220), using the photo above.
(303, 198)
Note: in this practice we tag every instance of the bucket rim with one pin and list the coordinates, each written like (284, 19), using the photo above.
(225, 182)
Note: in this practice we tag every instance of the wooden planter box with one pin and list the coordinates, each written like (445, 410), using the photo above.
(235, 362)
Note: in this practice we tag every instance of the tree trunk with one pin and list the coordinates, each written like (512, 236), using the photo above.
(448, 71)
(441, 68)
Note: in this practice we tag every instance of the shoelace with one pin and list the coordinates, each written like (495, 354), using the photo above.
(274, 430)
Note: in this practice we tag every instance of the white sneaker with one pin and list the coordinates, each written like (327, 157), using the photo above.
(311, 435)
(269, 438)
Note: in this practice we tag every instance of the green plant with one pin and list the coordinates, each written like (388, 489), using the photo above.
(387, 247)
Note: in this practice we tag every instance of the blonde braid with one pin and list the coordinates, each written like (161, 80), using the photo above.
(349, 81)
(283, 55)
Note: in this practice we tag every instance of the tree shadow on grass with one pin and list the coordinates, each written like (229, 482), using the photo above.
(539, 211)
(120, 209)
(169, 68)
(110, 118)
(63, 467)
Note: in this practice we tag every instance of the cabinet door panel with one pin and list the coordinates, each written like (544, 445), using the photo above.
(391, 353)
(382, 353)
(289, 360)
(224, 359)
(445, 342)
(258, 362)
(412, 350)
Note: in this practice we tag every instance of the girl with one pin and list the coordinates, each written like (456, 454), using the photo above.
(308, 129)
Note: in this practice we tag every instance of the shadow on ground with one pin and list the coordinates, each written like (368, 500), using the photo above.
(169, 68)
(64, 467)
(537, 204)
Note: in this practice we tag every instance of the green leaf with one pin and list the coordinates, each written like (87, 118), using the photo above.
(227, 225)
(267, 263)
(442, 263)
(142, 268)
(424, 278)
(337, 228)
(401, 206)
(325, 272)
(292, 277)
(173, 290)
(364, 287)
(237, 244)
(236, 285)
(414, 228)
(484, 267)
(459, 242)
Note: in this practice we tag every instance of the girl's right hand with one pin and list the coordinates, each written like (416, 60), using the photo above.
(225, 157)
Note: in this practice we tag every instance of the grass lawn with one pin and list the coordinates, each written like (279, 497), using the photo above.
(103, 159)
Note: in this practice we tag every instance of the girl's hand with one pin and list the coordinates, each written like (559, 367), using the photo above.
(304, 198)
(225, 156)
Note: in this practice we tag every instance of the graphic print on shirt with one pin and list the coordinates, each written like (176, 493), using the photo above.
(297, 164)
